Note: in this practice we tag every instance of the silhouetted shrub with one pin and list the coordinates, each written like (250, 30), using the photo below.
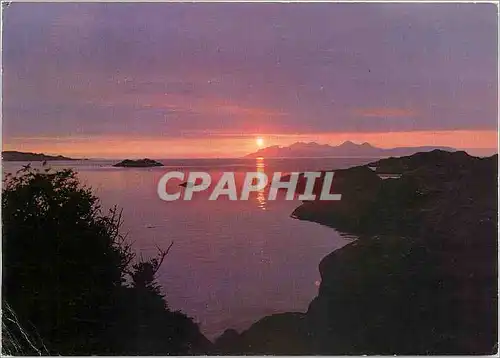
(70, 279)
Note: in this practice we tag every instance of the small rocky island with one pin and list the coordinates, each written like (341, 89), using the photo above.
(139, 163)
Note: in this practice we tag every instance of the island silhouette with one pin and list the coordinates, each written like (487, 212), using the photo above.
(15, 156)
(346, 149)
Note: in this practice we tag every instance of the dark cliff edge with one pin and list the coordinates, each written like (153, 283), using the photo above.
(421, 278)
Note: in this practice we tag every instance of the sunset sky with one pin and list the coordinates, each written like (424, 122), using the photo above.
(110, 80)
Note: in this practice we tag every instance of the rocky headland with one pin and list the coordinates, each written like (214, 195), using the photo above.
(421, 278)
(15, 156)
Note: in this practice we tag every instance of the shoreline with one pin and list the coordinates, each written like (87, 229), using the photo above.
(388, 248)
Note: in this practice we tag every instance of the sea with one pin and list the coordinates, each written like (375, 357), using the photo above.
(232, 262)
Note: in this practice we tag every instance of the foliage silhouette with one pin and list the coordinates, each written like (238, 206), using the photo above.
(72, 282)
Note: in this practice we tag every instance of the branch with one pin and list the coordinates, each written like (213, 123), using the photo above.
(162, 254)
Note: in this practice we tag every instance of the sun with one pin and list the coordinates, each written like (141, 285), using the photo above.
(259, 141)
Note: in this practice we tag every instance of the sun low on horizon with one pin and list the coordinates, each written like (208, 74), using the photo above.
(227, 95)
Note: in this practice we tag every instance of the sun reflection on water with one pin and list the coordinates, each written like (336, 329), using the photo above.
(261, 196)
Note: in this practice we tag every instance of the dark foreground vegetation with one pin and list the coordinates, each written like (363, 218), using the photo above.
(71, 285)
(421, 279)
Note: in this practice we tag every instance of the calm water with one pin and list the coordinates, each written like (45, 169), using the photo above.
(232, 262)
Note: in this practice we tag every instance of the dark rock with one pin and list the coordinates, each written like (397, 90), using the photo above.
(421, 279)
(139, 163)
(281, 334)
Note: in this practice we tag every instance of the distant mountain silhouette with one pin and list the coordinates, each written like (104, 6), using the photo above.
(15, 156)
(346, 149)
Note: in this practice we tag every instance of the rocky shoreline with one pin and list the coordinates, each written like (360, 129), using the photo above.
(421, 279)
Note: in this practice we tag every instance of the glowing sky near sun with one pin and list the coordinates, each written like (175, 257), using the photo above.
(208, 80)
